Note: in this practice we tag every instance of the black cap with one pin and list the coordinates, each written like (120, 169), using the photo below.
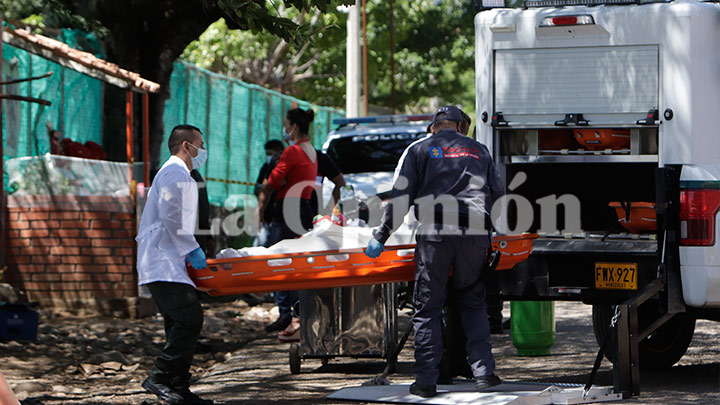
(448, 113)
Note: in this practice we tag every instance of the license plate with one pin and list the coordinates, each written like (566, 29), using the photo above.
(616, 276)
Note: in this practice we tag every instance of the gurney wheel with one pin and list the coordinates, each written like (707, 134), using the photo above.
(295, 358)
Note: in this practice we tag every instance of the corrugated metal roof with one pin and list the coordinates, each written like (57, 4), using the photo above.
(79, 61)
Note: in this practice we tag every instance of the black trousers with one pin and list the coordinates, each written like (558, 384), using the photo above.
(454, 361)
(181, 310)
(435, 256)
(296, 220)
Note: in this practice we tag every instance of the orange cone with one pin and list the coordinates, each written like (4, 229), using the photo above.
(6, 395)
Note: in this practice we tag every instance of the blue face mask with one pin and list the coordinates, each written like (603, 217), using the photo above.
(200, 159)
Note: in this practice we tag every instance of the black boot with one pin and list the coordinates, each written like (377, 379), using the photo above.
(487, 381)
(425, 391)
(280, 324)
(163, 392)
(190, 398)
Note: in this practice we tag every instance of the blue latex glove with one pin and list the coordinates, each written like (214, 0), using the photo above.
(374, 248)
(197, 260)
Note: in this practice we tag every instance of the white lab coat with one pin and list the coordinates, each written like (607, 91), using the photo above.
(165, 236)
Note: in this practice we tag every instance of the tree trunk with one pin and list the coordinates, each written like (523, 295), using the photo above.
(145, 37)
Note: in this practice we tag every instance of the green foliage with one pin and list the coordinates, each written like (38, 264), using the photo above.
(20, 9)
(434, 51)
(433, 45)
(247, 55)
(49, 13)
(255, 16)
(34, 19)
(216, 47)
(266, 17)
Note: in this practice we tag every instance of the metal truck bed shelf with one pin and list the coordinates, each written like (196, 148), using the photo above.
(584, 246)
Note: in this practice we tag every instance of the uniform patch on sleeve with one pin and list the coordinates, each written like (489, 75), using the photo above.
(436, 153)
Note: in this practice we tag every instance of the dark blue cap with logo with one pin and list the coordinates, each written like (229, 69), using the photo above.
(448, 113)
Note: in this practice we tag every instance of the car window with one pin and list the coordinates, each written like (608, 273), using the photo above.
(370, 153)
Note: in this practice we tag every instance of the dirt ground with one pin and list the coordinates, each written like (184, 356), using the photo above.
(84, 360)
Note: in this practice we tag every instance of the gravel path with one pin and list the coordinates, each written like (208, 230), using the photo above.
(102, 361)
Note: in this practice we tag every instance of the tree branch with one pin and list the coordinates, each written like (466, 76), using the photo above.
(302, 76)
(279, 51)
(23, 98)
(296, 59)
(307, 64)
(27, 79)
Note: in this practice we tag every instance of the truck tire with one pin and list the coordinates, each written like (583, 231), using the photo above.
(662, 348)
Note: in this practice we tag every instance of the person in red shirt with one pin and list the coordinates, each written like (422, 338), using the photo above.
(293, 178)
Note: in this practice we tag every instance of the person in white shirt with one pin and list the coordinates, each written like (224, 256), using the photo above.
(166, 246)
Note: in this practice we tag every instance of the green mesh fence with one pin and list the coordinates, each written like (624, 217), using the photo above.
(236, 119)
(75, 112)
(76, 109)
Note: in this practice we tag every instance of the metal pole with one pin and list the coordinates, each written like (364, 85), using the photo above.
(229, 134)
(352, 58)
(393, 99)
(622, 368)
(146, 138)
(2, 168)
(366, 96)
(129, 137)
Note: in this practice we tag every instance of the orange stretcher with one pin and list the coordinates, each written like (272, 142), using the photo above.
(330, 268)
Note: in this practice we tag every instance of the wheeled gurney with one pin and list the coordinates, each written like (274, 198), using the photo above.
(348, 303)
(330, 268)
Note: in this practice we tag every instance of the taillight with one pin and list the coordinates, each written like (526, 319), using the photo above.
(697, 217)
(565, 20)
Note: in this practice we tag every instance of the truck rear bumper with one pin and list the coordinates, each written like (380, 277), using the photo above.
(564, 269)
(701, 286)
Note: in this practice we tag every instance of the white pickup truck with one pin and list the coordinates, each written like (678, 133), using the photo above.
(588, 110)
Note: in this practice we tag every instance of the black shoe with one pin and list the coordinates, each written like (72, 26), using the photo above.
(444, 380)
(163, 392)
(190, 398)
(425, 391)
(487, 381)
(279, 324)
(203, 347)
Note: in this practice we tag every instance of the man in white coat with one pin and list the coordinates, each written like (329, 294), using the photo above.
(166, 246)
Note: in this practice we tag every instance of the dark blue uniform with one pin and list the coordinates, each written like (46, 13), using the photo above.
(452, 182)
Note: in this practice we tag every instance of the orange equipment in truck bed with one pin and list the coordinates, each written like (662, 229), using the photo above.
(330, 268)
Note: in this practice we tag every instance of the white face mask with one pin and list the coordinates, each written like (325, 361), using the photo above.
(268, 159)
(287, 137)
(200, 159)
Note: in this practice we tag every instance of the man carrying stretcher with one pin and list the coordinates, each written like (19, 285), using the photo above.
(166, 246)
(452, 182)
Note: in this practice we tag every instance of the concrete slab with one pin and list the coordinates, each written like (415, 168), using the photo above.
(464, 392)
(460, 392)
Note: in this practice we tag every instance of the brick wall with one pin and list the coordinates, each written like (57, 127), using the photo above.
(72, 252)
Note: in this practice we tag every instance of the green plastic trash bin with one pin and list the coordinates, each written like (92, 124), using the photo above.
(532, 325)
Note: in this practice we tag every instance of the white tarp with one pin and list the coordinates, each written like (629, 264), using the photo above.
(64, 175)
(327, 236)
